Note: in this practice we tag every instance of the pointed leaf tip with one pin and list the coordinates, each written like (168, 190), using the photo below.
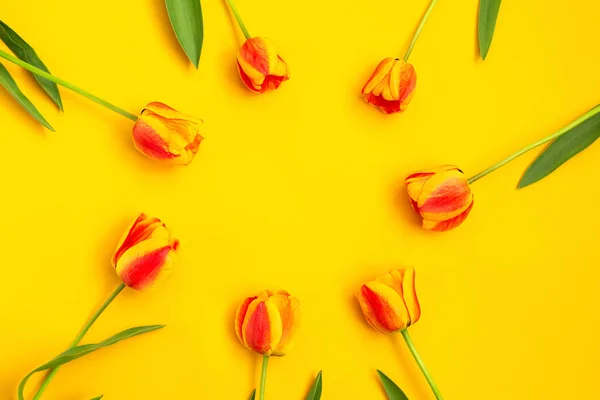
(253, 395)
(187, 23)
(317, 388)
(488, 15)
(391, 389)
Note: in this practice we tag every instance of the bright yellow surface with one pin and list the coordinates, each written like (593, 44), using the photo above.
(298, 189)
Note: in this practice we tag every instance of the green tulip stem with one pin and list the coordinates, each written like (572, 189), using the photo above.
(413, 350)
(66, 84)
(80, 336)
(419, 29)
(263, 377)
(540, 142)
(238, 18)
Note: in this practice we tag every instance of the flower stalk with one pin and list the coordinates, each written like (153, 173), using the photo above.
(80, 336)
(66, 84)
(419, 361)
(263, 377)
(532, 146)
(238, 18)
(419, 29)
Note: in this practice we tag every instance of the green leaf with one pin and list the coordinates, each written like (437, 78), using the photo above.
(26, 53)
(253, 395)
(488, 14)
(562, 149)
(98, 398)
(186, 19)
(391, 389)
(7, 81)
(80, 351)
(317, 388)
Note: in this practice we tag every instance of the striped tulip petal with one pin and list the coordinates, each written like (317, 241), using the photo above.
(287, 307)
(391, 86)
(260, 66)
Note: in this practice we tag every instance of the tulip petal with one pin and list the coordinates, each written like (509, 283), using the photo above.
(241, 315)
(141, 229)
(148, 140)
(262, 328)
(409, 294)
(442, 226)
(383, 307)
(145, 263)
(384, 67)
(288, 311)
(444, 196)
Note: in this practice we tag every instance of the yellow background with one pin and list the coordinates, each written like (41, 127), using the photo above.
(302, 189)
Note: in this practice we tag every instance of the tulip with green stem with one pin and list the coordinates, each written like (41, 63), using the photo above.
(67, 85)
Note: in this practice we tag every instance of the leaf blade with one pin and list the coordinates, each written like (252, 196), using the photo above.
(561, 150)
(25, 52)
(317, 388)
(7, 81)
(80, 351)
(488, 15)
(98, 398)
(253, 395)
(187, 23)
(391, 389)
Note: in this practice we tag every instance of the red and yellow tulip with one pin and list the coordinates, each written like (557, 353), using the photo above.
(267, 323)
(442, 197)
(390, 302)
(392, 85)
(145, 253)
(164, 134)
(261, 67)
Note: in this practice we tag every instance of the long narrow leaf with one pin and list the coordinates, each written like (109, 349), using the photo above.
(7, 81)
(562, 149)
(26, 53)
(98, 398)
(317, 388)
(488, 14)
(391, 389)
(186, 19)
(80, 351)
(253, 395)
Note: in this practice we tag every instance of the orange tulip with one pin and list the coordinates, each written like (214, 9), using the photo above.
(145, 253)
(391, 86)
(164, 134)
(390, 303)
(266, 323)
(442, 197)
(261, 67)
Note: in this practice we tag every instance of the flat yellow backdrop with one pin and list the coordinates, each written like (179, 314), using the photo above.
(301, 189)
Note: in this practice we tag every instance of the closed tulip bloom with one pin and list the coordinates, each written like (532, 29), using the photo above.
(145, 253)
(261, 67)
(266, 323)
(164, 134)
(391, 86)
(390, 302)
(442, 197)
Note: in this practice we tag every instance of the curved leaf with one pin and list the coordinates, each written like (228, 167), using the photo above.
(391, 389)
(488, 14)
(562, 149)
(98, 398)
(317, 388)
(7, 81)
(80, 351)
(25, 52)
(253, 395)
(186, 19)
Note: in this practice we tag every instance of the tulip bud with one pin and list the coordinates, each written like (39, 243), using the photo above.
(391, 86)
(442, 197)
(390, 303)
(164, 134)
(266, 323)
(145, 253)
(260, 66)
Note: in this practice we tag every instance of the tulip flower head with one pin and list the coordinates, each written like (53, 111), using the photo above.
(391, 86)
(267, 323)
(261, 67)
(442, 197)
(164, 134)
(145, 253)
(390, 303)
